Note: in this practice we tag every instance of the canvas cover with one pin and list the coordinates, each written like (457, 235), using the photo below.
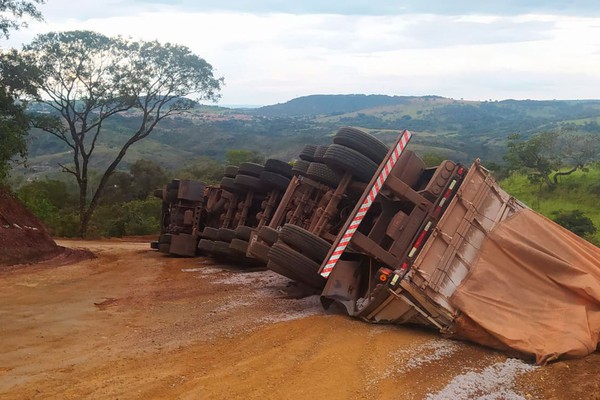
(534, 290)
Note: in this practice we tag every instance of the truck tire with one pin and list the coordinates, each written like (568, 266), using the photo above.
(239, 246)
(205, 245)
(251, 169)
(340, 157)
(322, 173)
(279, 167)
(210, 233)
(362, 142)
(303, 268)
(300, 167)
(260, 251)
(225, 235)
(230, 171)
(274, 180)
(278, 269)
(249, 183)
(222, 249)
(268, 235)
(319, 153)
(305, 242)
(308, 153)
(243, 232)
(229, 185)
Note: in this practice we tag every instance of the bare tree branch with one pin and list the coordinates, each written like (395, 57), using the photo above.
(88, 78)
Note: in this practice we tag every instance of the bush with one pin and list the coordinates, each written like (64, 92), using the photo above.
(594, 188)
(575, 221)
(137, 217)
(52, 202)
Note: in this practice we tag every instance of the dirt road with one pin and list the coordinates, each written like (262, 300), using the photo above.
(134, 324)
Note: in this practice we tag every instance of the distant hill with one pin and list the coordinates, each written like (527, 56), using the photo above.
(456, 129)
(322, 104)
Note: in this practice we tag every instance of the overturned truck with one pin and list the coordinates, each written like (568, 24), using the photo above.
(461, 255)
(388, 240)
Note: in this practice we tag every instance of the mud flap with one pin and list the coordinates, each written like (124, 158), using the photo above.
(342, 286)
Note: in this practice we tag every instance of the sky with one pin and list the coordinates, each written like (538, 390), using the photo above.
(270, 51)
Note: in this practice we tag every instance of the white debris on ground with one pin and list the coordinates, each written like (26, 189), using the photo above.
(416, 356)
(265, 285)
(236, 303)
(295, 309)
(258, 279)
(191, 269)
(495, 382)
(423, 354)
(203, 270)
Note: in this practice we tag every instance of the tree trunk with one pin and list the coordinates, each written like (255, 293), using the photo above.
(550, 184)
(83, 222)
(569, 172)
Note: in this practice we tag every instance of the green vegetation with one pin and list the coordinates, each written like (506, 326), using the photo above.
(14, 14)
(86, 79)
(454, 129)
(14, 81)
(127, 208)
(576, 222)
(578, 191)
(13, 131)
(236, 157)
(555, 154)
(546, 141)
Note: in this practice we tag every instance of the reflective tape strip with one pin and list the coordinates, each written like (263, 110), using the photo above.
(419, 240)
(369, 199)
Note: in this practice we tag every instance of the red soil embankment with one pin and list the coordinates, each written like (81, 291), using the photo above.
(23, 238)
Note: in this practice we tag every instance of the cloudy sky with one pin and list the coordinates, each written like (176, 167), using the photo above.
(270, 51)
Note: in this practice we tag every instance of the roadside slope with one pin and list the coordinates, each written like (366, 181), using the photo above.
(23, 238)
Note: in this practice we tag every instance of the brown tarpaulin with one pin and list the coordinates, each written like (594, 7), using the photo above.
(534, 290)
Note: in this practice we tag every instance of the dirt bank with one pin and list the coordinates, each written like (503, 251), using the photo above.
(134, 324)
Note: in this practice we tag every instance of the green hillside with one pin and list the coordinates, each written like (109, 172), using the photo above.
(455, 129)
(322, 104)
(579, 191)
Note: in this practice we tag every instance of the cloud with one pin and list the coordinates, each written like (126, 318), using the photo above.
(275, 56)
(64, 10)
(392, 7)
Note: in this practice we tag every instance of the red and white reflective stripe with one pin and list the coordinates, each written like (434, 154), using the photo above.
(445, 198)
(419, 240)
(362, 211)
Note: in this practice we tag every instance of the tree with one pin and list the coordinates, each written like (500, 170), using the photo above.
(577, 151)
(118, 190)
(87, 78)
(147, 176)
(536, 156)
(546, 154)
(13, 121)
(575, 221)
(13, 11)
(203, 169)
(236, 157)
(13, 131)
